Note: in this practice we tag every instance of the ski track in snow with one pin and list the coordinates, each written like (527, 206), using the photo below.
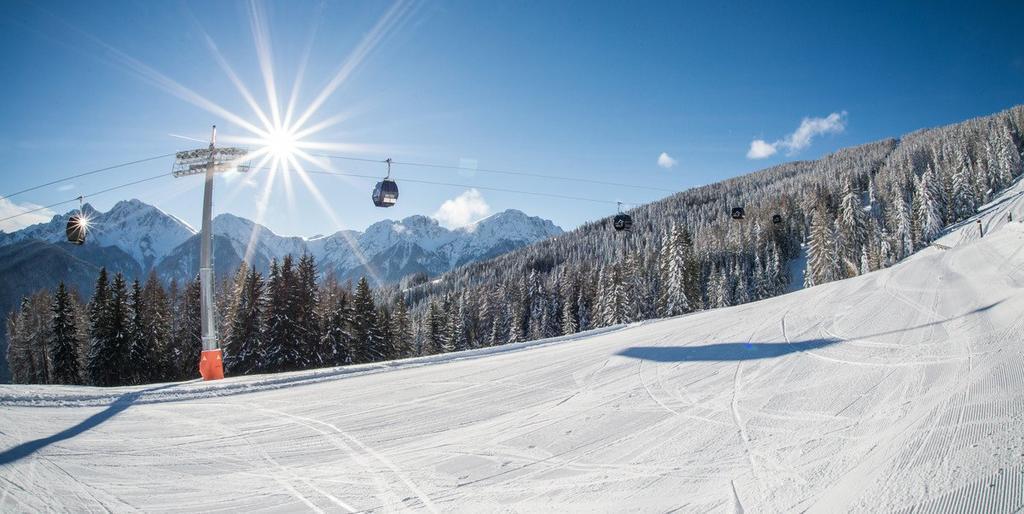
(902, 390)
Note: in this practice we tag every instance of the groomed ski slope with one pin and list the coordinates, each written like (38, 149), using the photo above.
(900, 389)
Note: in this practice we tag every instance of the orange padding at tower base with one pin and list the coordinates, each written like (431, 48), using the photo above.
(211, 365)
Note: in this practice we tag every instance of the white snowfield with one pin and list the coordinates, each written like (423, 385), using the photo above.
(901, 389)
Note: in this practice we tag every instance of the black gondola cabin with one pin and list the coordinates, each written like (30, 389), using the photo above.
(622, 222)
(776, 219)
(385, 194)
(76, 230)
(737, 213)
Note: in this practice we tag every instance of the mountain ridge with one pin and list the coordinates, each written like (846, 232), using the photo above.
(158, 241)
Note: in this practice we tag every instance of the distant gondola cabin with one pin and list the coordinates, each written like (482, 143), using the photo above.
(737, 213)
(622, 222)
(76, 230)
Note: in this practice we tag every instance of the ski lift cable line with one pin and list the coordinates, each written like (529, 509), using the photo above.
(469, 186)
(85, 174)
(94, 193)
(502, 172)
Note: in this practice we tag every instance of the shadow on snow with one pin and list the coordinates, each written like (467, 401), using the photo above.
(28, 448)
(722, 351)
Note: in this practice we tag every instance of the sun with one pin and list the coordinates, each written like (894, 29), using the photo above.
(281, 144)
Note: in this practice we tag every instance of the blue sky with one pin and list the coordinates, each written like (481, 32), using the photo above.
(594, 90)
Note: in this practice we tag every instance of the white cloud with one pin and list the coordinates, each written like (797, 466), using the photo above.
(665, 161)
(801, 138)
(462, 210)
(759, 149)
(9, 208)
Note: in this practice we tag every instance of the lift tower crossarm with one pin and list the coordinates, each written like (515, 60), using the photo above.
(209, 162)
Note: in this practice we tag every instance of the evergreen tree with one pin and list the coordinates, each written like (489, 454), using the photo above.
(28, 340)
(307, 320)
(156, 326)
(675, 300)
(718, 293)
(569, 306)
(64, 341)
(401, 330)
(143, 355)
(337, 340)
(385, 330)
(903, 238)
(108, 362)
(822, 265)
(928, 218)
(365, 328)
(852, 228)
(244, 345)
(186, 339)
(438, 332)
(457, 331)
(285, 342)
(18, 351)
(963, 197)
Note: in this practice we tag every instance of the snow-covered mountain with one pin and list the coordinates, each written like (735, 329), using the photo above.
(141, 230)
(385, 252)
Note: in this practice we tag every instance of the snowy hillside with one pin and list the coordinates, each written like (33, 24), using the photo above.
(898, 389)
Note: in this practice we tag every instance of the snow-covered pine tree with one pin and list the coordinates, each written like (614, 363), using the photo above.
(928, 219)
(963, 195)
(516, 311)
(457, 324)
(675, 300)
(402, 329)
(64, 341)
(822, 263)
(437, 329)
(1008, 157)
(903, 243)
(718, 289)
(852, 229)
(569, 306)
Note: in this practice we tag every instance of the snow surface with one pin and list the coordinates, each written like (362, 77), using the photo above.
(900, 389)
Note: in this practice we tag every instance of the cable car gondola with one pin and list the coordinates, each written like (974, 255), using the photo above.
(385, 193)
(77, 224)
(737, 213)
(622, 220)
(776, 219)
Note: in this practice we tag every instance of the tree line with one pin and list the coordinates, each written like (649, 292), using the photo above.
(143, 333)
